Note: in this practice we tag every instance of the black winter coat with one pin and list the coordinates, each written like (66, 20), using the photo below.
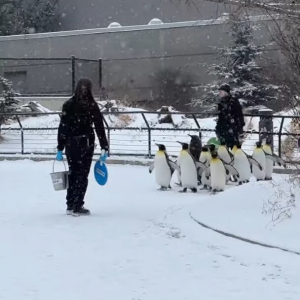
(77, 120)
(230, 120)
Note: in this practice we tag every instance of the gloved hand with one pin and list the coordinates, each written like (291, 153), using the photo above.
(103, 155)
(59, 156)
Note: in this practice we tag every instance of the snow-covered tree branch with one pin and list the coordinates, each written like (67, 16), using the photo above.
(239, 67)
(19, 17)
(287, 7)
(8, 103)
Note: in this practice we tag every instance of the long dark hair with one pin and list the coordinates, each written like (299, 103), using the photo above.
(88, 83)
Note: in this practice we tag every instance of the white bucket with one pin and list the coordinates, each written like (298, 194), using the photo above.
(60, 180)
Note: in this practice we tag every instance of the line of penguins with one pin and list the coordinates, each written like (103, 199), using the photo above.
(215, 168)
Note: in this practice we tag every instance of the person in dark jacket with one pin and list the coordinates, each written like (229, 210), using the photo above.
(76, 136)
(230, 122)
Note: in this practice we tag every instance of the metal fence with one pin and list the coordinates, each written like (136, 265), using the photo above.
(33, 77)
(136, 133)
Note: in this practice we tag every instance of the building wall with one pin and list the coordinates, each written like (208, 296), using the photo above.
(98, 14)
(133, 57)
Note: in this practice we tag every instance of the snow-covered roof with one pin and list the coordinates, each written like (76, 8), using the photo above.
(210, 22)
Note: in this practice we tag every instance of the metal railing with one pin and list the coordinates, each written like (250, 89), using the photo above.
(136, 133)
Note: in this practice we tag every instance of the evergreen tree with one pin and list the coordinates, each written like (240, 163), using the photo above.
(8, 103)
(239, 67)
(30, 16)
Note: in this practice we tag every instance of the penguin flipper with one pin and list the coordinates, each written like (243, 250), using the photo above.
(232, 170)
(151, 168)
(200, 167)
(255, 162)
(207, 172)
(231, 155)
(174, 166)
(276, 159)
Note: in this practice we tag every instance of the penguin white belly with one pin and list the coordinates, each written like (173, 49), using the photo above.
(189, 177)
(261, 158)
(218, 176)
(269, 168)
(162, 171)
(269, 165)
(242, 165)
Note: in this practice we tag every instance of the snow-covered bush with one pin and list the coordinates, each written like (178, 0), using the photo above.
(239, 67)
(8, 103)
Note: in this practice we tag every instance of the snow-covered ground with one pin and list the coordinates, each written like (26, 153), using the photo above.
(140, 243)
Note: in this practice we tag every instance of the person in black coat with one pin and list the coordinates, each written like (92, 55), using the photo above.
(230, 119)
(76, 136)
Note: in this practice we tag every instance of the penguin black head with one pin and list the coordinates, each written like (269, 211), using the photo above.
(268, 141)
(239, 145)
(185, 146)
(214, 154)
(194, 137)
(204, 149)
(258, 144)
(223, 143)
(161, 147)
(212, 147)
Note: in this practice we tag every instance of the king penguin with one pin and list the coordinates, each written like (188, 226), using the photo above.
(189, 169)
(226, 156)
(217, 171)
(260, 157)
(205, 158)
(269, 162)
(164, 168)
(242, 165)
(195, 145)
(271, 159)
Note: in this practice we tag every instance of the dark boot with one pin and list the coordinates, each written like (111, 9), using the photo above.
(77, 212)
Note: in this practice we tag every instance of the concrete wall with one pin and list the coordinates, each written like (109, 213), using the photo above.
(132, 56)
(85, 14)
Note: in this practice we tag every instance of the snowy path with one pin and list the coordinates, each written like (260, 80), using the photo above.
(138, 244)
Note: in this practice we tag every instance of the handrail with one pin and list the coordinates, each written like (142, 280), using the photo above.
(33, 114)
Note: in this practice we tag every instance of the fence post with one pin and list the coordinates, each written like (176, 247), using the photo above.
(279, 136)
(73, 59)
(266, 125)
(196, 144)
(22, 134)
(149, 136)
(108, 135)
(102, 92)
(100, 74)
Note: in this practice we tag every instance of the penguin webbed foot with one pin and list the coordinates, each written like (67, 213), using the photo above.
(163, 189)
(183, 191)
(205, 187)
(194, 190)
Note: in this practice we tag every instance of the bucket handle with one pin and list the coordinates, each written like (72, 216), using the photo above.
(55, 162)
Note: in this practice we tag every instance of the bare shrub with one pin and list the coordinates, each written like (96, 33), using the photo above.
(281, 204)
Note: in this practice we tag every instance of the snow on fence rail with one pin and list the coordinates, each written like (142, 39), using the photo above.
(135, 133)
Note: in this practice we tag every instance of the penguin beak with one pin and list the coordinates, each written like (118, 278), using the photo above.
(189, 135)
(180, 143)
(158, 145)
